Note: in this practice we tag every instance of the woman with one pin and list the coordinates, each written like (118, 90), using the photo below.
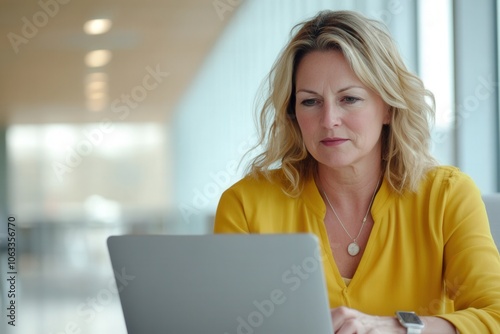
(348, 126)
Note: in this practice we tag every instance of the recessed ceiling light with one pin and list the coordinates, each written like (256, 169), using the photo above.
(97, 26)
(96, 91)
(96, 95)
(97, 58)
(96, 76)
(97, 86)
(97, 105)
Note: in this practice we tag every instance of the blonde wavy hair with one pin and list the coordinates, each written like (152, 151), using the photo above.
(373, 56)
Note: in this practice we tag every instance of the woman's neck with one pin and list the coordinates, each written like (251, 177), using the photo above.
(348, 188)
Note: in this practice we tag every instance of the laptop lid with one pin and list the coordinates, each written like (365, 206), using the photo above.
(224, 284)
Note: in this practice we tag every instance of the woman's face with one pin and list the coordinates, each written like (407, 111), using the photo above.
(340, 118)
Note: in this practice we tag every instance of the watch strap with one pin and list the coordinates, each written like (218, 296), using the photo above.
(410, 330)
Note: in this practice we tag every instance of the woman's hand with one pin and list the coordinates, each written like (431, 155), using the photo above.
(349, 321)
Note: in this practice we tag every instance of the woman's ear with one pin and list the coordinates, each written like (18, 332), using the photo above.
(388, 116)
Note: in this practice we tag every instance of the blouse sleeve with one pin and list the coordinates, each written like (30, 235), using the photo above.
(471, 259)
(230, 215)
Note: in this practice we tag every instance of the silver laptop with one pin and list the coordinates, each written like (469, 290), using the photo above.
(221, 284)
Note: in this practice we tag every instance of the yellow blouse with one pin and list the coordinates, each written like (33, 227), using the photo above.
(430, 252)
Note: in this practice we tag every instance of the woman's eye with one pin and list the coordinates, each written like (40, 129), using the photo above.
(350, 99)
(309, 102)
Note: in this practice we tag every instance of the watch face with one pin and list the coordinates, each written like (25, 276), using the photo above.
(410, 318)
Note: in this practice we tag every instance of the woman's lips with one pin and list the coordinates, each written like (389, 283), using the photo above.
(333, 141)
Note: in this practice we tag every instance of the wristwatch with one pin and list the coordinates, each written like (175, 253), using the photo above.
(410, 321)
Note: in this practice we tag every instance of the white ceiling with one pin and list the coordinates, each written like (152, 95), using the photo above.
(44, 82)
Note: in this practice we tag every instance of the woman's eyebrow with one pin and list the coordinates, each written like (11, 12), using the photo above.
(339, 91)
(349, 87)
(306, 91)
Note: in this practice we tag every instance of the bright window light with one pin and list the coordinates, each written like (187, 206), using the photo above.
(436, 57)
(436, 63)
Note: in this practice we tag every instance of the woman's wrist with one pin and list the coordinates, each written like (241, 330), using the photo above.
(432, 325)
(397, 328)
(436, 325)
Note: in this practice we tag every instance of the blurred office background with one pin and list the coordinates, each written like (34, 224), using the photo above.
(137, 123)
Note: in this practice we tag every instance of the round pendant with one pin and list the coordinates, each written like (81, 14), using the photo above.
(353, 249)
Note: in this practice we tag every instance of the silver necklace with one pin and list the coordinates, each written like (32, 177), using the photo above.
(353, 247)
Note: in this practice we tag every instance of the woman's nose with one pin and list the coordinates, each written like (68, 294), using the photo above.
(332, 116)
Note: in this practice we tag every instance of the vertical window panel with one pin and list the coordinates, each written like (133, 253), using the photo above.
(436, 70)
